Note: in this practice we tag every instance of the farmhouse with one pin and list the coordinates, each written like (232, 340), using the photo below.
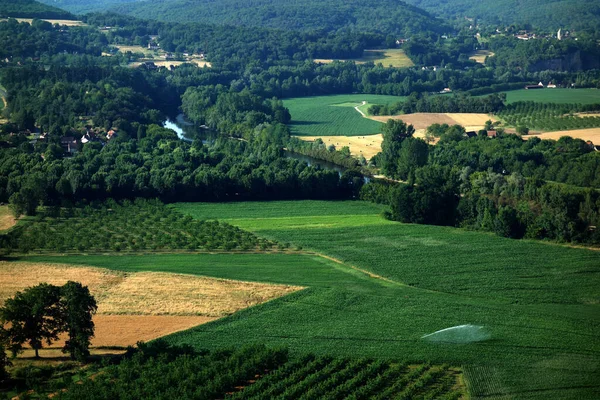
(492, 133)
(538, 86)
(69, 144)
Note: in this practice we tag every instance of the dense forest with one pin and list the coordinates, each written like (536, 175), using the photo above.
(382, 16)
(534, 189)
(549, 15)
(31, 9)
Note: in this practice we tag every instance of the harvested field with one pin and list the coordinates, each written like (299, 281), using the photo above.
(396, 58)
(7, 220)
(480, 55)
(592, 134)
(170, 64)
(127, 330)
(366, 146)
(471, 121)
(418, 120)
(66, 22)
(145, 305)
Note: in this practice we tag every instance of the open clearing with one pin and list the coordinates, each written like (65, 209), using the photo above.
(334, 115)
(396, 58)
(169, 64)
(7, 220)
(480, 55)
(580, 96)
(143, 305)
(66, 22)
(592, 134)
(384, 285)
(367, 146)
(471, 121)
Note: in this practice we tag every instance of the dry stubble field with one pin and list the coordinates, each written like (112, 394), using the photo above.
(144, 305)
(470, 121)
(7, 220)
(367, 145)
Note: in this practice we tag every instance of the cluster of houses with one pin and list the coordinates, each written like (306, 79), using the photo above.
(71, 144)
(541, 86)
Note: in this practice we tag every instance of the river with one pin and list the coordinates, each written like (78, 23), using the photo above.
(187, 132)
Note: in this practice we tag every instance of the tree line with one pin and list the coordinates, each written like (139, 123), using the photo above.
(481, 183)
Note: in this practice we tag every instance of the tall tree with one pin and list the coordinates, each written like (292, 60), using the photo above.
(32, 316)
(77, 308)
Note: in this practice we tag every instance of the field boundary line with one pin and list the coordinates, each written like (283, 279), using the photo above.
(364, 271)
(359, 110)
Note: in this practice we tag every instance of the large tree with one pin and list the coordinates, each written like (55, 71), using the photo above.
(77, 306)
(32, 316)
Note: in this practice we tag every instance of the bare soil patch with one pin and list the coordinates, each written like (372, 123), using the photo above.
(7, 220)
(367, 145)
(143, 305)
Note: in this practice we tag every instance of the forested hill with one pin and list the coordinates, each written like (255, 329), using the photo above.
(31, 9)
(546, 14)
(382, 16)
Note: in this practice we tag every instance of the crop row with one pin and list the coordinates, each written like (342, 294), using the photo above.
(326, 378)
(131, 226)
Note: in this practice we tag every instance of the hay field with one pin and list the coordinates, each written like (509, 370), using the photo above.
(592, 134)
(134, 49)
(65, 22)
(396, 58)
(470, 121)
(144, 305)
(7, 220)
(169, 64)
(367, 146)
(480, 55)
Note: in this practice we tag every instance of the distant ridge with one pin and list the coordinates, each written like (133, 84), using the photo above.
(546, 14)
(382, 16)
(31, 9)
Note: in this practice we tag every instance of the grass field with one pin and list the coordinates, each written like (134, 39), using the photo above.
(388, 57)
(393, 283)
(334, 115)
(582, 96)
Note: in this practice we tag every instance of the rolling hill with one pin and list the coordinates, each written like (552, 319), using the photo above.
(31, 9)
(382, 16)
(547, 14)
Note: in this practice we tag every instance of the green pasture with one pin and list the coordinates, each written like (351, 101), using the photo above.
(580, 96)
(540, 302)
(334, 115)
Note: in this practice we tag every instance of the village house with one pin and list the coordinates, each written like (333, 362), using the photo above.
(69, 144)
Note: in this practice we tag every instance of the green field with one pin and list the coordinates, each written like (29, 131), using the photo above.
(540, 302)
(582, 96)
(334, 115)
